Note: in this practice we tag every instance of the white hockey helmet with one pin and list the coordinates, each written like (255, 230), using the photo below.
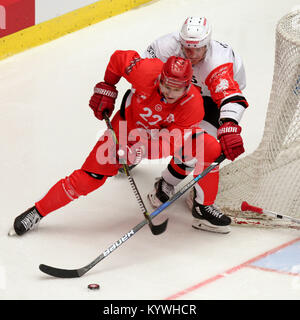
(195, 32)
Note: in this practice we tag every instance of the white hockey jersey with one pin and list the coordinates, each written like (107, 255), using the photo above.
(220, 75)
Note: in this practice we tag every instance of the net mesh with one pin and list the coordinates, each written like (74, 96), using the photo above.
(270, 176)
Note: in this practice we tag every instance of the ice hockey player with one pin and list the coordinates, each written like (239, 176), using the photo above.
(162, 101)
(219, 75)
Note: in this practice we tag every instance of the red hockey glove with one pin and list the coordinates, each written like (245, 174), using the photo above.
(103, 99)
(231, 140)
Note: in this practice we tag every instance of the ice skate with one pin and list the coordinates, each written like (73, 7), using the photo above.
(161, 193)
(208, 218)
(25, 222)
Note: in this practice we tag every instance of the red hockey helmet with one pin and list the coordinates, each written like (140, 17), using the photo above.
(177, 72)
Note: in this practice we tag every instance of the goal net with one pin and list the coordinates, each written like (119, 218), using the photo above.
(270, 176)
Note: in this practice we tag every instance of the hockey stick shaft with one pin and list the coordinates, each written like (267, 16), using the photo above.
(247, 207)
(75, 273)
(155, 229)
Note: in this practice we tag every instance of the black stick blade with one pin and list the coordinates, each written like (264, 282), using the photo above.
(157, 229)
(60, 273)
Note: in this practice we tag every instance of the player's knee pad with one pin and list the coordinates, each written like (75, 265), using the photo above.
(80, 183)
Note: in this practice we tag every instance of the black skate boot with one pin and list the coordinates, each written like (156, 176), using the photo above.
(161, 193)
(208, 218)
(26, 221)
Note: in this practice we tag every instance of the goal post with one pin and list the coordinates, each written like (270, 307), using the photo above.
(270, 176)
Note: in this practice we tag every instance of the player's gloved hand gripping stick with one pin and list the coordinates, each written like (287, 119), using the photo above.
(75, 273)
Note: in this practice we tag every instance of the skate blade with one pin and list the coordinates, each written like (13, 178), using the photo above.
(209, 227)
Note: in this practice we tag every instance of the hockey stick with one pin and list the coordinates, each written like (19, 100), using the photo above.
(247, 207)
(155, 229)
(75, 273)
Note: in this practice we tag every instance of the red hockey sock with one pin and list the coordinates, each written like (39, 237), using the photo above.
(209, 183)
(68, 189)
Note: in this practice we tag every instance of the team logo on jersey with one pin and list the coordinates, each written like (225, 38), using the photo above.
(222, 86)
(158, 108)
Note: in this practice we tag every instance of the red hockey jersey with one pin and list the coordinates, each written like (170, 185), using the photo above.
(145, 107)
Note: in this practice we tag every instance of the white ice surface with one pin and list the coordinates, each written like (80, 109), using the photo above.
(47, 130)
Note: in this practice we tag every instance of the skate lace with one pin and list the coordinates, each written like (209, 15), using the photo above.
(30, 221)
(214, 211)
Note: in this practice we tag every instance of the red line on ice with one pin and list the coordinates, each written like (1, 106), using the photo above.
(229, 271)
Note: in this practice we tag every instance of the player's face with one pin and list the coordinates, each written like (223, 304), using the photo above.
(195, 55)
(171, 94)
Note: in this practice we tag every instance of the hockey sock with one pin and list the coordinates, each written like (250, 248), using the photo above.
(207, 188)
(68, 189)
